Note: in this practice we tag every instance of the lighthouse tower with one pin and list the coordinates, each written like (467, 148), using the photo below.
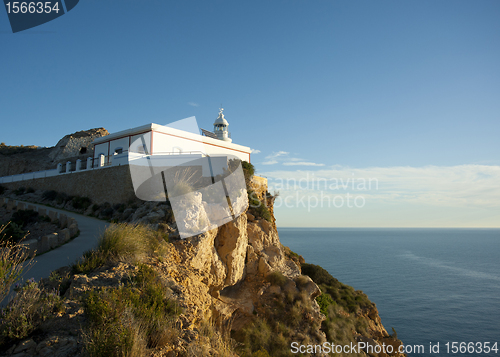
(220, 127)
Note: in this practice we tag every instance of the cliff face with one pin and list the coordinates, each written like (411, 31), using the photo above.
(240, 278)
(241, 274)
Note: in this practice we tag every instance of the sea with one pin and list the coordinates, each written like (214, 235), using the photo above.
(434, 286)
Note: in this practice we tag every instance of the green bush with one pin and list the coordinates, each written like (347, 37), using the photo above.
(248, 170)
(344, 295)
(120, 242)
(61, 198)
(12, 233)
(20, 191)
(49, 195)
(130, 318)
(275, 331)
(257, 207)
(24, 217)
(29, 308)
(81, 202)
(324, 301)
(277, 278)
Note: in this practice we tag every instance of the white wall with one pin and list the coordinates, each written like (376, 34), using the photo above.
(136, 142)
(164, 143)
(101, 149)
(119, 143)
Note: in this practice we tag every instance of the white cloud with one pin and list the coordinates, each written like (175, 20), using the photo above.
(444, 186)
(277, 154)
(255, 151)
(193, 104)
(270, 162)
(294, 162)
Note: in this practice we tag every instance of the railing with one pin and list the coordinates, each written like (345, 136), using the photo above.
(90, 164)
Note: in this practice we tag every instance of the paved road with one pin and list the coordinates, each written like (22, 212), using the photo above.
(90, 230)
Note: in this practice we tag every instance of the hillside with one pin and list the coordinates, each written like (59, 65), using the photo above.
(232, 291)
(21, 159)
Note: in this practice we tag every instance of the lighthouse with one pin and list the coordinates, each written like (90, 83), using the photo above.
(220, 127)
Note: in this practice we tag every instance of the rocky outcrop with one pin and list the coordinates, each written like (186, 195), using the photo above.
(73, 146)
(79, 143)
(233, 275)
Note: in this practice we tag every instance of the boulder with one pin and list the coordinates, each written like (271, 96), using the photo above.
(52, 215)
(44, 245)
(64, 236)
(53, 240)
(31, 246)
(73, 229)
(63, 220)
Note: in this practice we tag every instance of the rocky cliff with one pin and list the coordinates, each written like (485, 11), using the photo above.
(241, 292)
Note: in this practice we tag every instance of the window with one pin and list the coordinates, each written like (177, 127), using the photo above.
(118, 151)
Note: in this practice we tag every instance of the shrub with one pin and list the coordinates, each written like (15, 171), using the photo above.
(29, 308)
(344, 295)
(248, 170)
(128, 319)
(120, 207)
(20, 191)
(277, 278)
(81, 202)
(319, 275)
(120, 242)
(24, 217)
(258, 207)
(324, 301)
(13, 233)
(106, 211)
(49, 195)
(2, 190)
(11, 269)
(30, 190)
(61, 198)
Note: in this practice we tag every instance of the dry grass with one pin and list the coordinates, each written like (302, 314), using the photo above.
(213, 341)
(28, 309)
(13, 263)
(122, 242)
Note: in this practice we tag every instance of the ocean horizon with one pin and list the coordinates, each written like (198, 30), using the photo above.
(433, 285)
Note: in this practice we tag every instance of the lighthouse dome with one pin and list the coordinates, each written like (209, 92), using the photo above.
(220, 119)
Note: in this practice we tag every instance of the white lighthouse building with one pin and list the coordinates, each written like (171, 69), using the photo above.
(220, 127)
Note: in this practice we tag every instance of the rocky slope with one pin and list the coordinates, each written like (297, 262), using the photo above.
(239, 277)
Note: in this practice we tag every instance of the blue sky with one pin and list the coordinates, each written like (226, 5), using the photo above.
(406, 91)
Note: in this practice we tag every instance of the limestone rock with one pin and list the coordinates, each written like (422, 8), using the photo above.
(231, 244)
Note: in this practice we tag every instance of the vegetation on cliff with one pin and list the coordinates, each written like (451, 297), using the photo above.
(231, 291)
